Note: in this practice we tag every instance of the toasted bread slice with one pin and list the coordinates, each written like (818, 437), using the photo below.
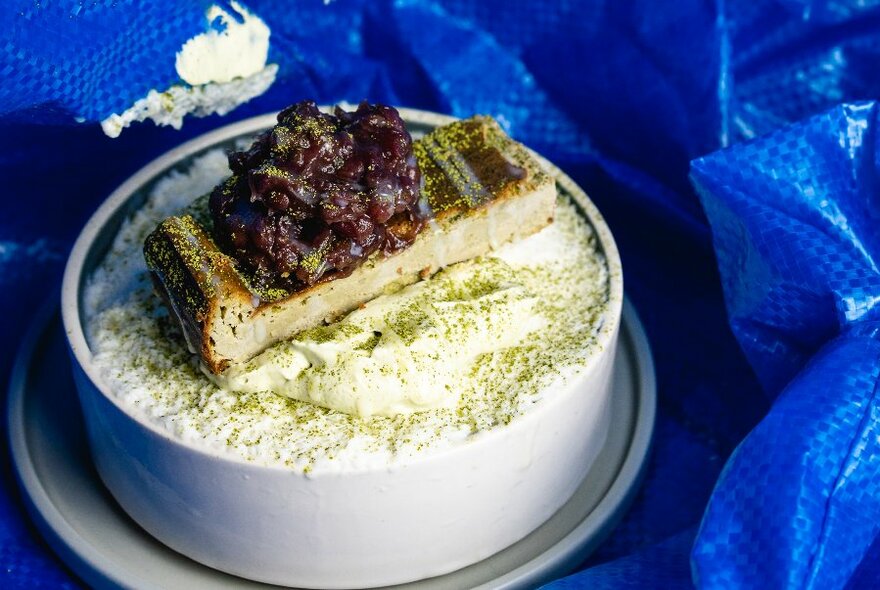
(484, 189)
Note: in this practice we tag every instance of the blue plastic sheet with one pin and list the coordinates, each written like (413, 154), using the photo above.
(766, 355)
(794, 217)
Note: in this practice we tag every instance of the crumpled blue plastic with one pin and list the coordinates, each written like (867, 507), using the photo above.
(795, 223)
(763, 470)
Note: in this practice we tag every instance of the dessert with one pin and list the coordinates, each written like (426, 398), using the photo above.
(290, 492)
(323, 213)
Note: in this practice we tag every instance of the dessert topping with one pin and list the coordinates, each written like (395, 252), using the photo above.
(318, 193)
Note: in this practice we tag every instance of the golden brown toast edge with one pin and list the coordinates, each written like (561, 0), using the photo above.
(199, 283)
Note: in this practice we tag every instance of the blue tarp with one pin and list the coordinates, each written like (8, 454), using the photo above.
(726, 144)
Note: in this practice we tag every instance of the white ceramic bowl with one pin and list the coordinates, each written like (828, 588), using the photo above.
(360, 528)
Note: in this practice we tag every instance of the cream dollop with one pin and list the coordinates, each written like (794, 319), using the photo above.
(403, 352)
(236, 48)
(220, 69)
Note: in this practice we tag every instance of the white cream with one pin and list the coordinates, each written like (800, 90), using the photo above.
(238, 48)
(401, 353)
(221, 68)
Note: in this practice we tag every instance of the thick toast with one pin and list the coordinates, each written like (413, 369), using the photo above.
(483, 188)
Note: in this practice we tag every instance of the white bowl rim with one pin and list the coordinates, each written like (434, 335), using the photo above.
(118, 199)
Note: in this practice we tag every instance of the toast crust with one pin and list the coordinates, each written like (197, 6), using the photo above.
(483, 188)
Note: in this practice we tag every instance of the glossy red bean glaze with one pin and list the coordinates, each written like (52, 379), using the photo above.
(315, 195)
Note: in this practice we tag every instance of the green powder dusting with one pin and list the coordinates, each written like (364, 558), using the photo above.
(143, 358)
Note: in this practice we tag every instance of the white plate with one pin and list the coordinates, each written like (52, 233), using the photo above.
(92, 535)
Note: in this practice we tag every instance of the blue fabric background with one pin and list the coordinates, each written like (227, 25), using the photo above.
(622, 95)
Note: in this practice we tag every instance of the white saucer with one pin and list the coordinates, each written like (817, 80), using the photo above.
(101, 544)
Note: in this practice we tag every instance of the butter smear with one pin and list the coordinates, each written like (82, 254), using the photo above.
(221, 68)
(229, 49)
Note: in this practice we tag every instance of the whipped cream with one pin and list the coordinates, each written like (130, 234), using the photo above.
(221, 69)
(400, 353)
(235, 46)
